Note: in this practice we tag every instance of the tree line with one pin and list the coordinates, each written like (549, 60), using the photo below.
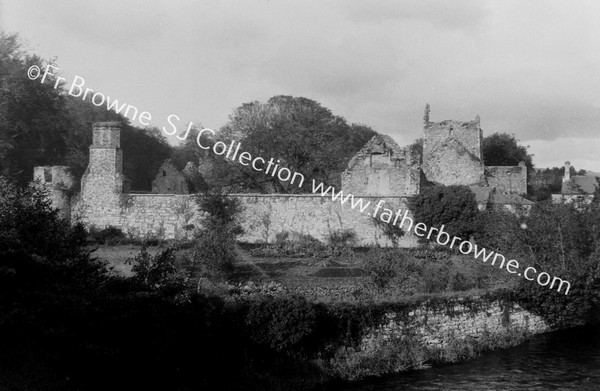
(41, 125)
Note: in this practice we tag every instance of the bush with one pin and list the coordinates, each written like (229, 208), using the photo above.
(109, 235)
(342, 238)
(213, 255)
(285, 323)
(386, 265)
(157, 272)
(36, 243)
(452, 206)
(391, 231)
(214, 252)
(221, 213)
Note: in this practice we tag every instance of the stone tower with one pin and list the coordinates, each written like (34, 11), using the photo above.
(60, 183)
(103, 179)
(567, 174)
(452, 152)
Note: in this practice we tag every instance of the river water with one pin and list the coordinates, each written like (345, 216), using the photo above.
(566, 360)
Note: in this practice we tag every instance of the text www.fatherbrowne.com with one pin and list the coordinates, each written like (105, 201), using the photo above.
(441, 237)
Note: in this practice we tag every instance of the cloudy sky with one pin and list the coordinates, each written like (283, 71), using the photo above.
(526, 67)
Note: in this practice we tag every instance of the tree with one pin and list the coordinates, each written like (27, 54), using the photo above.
(303, 135)
(452, 206)
(42, 125)
(33, 117)
(416, 148)
(502, 149)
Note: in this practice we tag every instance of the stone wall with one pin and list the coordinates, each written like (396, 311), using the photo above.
(266, 215)
(462, 318)
(508, 179)
(169, 216)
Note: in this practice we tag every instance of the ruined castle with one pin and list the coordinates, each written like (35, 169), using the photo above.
(381, 170)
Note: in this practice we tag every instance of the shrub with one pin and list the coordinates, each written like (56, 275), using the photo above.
(452, 206)
(213, 255)
(391, 231)
(157, 272)
(281, 237)
(284, 323)
(342, 238)
(108, 235)
(221, 213)
(435, 277)
(386, 265)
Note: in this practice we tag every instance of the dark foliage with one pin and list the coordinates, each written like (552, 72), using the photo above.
(391, 231)
(502, 149)
(304, 135)
(43, 125)
(214, 252)
(452, 206)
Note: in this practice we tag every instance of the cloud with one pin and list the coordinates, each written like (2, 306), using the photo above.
(581, 152)
(454, 15)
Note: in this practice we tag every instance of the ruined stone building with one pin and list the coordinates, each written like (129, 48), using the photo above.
(452, 152)
(169, 180)
(381, 170)
(60, 183)
(452, 155)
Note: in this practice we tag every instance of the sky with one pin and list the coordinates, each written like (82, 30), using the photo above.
(531, 68)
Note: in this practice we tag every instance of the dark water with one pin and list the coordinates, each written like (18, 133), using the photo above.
(567, 360)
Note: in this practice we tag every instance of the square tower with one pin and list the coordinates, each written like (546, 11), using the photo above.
(103, 178)
(452, 151)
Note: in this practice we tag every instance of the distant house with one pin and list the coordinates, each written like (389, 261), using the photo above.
(489, 197)
(576, 188)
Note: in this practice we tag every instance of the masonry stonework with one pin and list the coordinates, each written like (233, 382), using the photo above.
(382, 168)
(452, 152)
(60, 183)
(507, 179)
(169, 180)
(438, 326)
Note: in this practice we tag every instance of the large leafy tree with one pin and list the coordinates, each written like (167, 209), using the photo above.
(502, 149)
(33, 118)
(305, 136)
(41, 125)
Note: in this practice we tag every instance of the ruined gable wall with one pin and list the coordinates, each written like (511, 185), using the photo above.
(169, 180)
(379, 175)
